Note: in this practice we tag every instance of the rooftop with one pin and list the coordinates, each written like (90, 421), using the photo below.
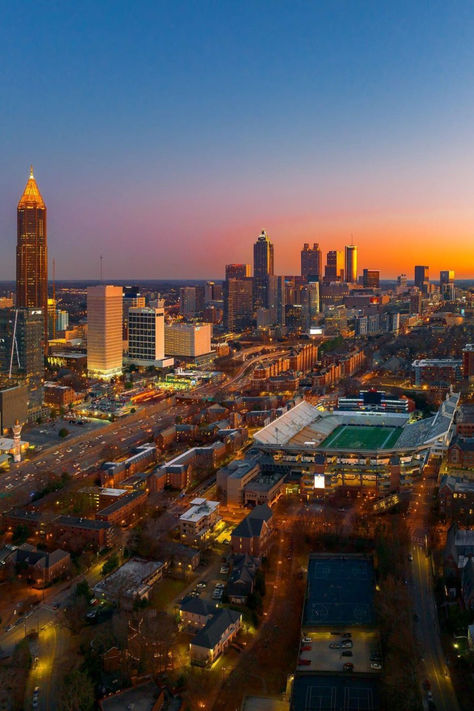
(129, 577)
(199, 509)
(210, 635)
(138, 698)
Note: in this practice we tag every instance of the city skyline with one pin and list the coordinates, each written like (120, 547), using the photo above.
(315, 123)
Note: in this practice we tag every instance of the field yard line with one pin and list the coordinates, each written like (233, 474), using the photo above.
(386, 440)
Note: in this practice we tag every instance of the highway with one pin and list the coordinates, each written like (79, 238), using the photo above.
(433, 665)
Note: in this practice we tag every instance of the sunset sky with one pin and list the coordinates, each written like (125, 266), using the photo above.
(166, 135)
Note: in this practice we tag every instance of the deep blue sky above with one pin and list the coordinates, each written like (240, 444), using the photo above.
(166, 135)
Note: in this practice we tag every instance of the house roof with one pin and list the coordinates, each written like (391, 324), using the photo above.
(196, 606)
(212, 633)
(251, 526)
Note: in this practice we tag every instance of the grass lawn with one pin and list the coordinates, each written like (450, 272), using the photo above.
(166, 591)
(354, 437)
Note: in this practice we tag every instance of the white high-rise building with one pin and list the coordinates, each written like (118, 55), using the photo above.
(104, 331)
(146, 336)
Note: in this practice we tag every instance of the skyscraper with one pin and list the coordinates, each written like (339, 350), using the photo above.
(334, 270)
(238, 298)
(422, 278)
(32, 252)
(311, 261)
(371, 278)
(21, 352)
(237, 271)
(104, 331)
(262, 267)
(446, 284)
(350, 264)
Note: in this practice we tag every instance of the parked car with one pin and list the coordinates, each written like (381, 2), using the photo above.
(426, 685)
(348, 667)
(306, 640)
(305, 648)
(304, 662)
(335, 645)
(376, 666)
(347, 643)
(347, 634)
(346, 653)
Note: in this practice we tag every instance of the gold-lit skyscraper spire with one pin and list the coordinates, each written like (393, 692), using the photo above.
(32, 251)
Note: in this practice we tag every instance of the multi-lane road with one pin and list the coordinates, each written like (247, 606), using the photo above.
(433, 666)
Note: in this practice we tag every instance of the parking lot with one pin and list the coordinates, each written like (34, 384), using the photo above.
(317, 655)
(47, 435)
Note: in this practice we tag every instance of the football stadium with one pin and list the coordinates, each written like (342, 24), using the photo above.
(385, 451)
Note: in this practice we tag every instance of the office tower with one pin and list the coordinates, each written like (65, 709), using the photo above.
(350, 264)
(104, 331)
(187, 301)
(402, 283)
(468, 362)
(212, 292)
(371, 278)
(416, 301)
(21, 352)
(311, 261)
(191, 300)
(237, 271)
(334, 270)
(188, 340)
(311, 304)
(58, 319)
(32, 253)
(146, 335)
(422, 278)
(276, 300)
(262, 267)
(238, 300)
(132, 297)
(446, 284)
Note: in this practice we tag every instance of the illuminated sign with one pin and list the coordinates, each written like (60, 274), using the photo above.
(315, 331)
(319, 481)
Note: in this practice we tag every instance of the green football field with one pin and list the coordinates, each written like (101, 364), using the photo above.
(354, 437)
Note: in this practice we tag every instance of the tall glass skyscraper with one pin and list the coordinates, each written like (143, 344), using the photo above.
(32, 252)
(350, 264)
(262, 268)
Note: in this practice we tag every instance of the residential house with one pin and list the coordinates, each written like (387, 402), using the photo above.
(195, 612)
(241, 579)
(254, 533)
(212, 640)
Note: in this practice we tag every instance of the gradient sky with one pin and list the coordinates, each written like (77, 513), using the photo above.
(166, 135)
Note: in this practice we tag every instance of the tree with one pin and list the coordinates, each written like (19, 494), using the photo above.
(63, 432)
(77, 692)
(83, 589)
(20, 534)
(110, 564)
